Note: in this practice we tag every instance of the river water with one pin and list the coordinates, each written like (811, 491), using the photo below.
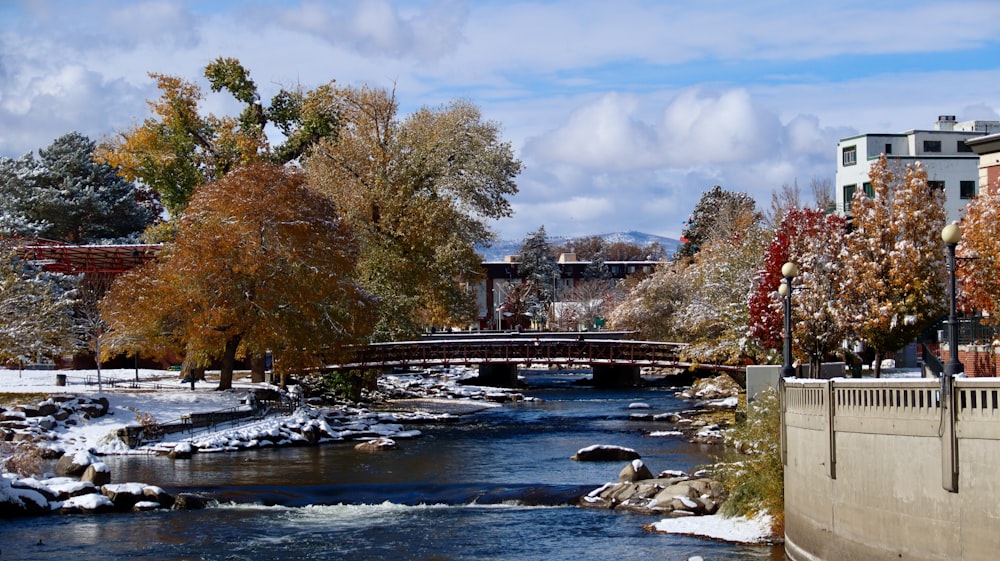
(492, 487)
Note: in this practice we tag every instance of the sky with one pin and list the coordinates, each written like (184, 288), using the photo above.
(623, 113)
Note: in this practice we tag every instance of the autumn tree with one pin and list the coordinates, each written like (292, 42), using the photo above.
(178, 148)
(36, 312)
(814, 241)
(718, 213)
(260, 261)
(894, 261)
(64, 195)
(418, 191)
(702, 301)
(980, 244)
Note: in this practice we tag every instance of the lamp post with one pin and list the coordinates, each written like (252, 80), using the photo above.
(952, 234)
(788, 271)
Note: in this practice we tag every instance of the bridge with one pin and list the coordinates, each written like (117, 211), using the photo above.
(615, 361)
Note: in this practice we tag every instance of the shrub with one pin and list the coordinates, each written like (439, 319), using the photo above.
(751, 471)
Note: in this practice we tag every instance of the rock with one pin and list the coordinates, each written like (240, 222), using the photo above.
(97, 473)
(87, 504)
(158, 495)
(634, 471)
(182, 451)
(190, 501)
(605, 453)
(124, 495)
(377, 445)
(638, 405)
(47, 408)
(74, 464)
(145, 506)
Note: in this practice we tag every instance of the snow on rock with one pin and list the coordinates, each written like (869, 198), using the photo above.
(605, 453)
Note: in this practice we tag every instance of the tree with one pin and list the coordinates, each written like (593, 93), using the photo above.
(539, 269)
(716, 215)
(894, 269)
(65, 195)
(418, 192)
(261, 261)
(981, 271)
(36, 312)
(813, 240)
(178, 148)
(702, 301)
(653, 306)
(584, 303)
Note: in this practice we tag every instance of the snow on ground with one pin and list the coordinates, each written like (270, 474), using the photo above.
(158, 393)
(737, 529)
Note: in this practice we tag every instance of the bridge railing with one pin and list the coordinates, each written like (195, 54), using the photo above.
(510, 350)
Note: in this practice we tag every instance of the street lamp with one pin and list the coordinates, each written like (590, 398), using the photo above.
(952, 234)
(788, 271)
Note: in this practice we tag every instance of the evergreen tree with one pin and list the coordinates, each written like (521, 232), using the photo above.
(36, 312)
(65, 195)
(539, 269)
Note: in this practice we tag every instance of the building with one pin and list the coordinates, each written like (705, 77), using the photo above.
(988, 150)
(499, 277)
(951, 164)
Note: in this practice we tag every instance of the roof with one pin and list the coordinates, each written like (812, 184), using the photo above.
(82, 259)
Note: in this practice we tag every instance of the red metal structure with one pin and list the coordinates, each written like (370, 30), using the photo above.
(87, 259)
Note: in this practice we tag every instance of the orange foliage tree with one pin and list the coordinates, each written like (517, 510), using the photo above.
(260, 262)
(894, 259)
(981, 242)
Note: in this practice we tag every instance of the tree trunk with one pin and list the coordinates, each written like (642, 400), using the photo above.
(877, 367)
(228, 363)
(257, 368)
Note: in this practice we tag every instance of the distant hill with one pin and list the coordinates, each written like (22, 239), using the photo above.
(504, 248)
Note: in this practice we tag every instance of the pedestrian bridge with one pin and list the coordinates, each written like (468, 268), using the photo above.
(615, 361)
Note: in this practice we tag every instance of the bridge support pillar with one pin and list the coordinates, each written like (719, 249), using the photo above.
(616, 375)
(499, 375)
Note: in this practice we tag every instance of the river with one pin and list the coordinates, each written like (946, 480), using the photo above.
(490, 487)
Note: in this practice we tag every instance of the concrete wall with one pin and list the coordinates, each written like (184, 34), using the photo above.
(885, 469)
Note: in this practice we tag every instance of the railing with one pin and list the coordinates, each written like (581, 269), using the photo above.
(518, 349)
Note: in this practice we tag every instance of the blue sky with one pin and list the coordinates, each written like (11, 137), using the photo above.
(623, 112)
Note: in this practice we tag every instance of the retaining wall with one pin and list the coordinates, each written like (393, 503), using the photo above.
(891, 469)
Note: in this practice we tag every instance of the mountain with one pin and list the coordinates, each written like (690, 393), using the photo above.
(503, 248)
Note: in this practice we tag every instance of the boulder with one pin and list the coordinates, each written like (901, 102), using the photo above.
(182, 451)
(190, 501)
(87, 504)
(155, 494)
(634, 471)
(74, 464)
(124, 495)
(605, 453)
(97, 473)
(377, 445)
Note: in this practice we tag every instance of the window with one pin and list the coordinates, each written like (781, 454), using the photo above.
(936, 185)
(869, 190)
(967, 189)
(849, 196)
(932, 146)
(963, 147)
(850, 155)
(888, 149)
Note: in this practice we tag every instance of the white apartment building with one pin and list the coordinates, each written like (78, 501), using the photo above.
(950, 163)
